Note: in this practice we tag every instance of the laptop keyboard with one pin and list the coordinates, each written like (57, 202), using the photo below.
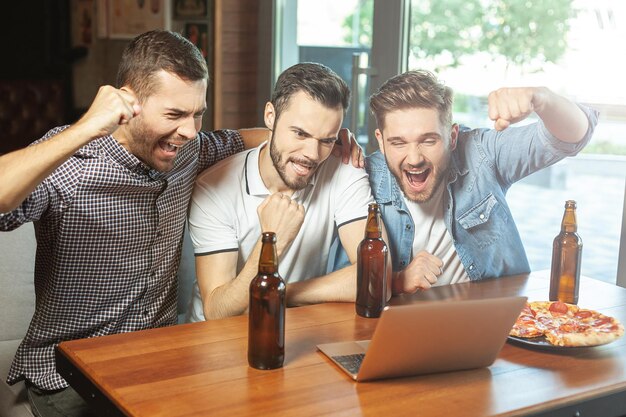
(351, 362)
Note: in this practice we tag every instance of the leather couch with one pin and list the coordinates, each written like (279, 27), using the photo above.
(28, 109)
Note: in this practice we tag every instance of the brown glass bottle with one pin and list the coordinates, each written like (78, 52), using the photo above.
(566, 254)
(266, 319)
(373, 284)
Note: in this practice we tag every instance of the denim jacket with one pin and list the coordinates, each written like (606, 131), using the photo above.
(483, 166)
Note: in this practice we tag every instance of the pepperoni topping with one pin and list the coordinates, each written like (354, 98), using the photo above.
(583, 314)
(558, 307)
(569, 327)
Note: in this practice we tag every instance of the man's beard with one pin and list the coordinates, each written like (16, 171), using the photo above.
(142, 146)
(281, 167)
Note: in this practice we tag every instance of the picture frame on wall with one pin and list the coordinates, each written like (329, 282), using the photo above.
(129, 18)
(102, 19)
(190, 9)
(83, 25)
(198, 34)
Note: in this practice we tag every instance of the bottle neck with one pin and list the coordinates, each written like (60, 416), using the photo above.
(372, 227)
(569, 221)
(268, 261)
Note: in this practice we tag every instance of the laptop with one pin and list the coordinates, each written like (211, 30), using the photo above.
(429, 337)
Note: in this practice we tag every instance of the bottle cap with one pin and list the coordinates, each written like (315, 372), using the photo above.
(268, 237)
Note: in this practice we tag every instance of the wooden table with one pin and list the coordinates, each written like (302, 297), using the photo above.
(201, 368)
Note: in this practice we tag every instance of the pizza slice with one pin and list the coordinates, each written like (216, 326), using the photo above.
(588, 328)
(526, 325)
(566, 324)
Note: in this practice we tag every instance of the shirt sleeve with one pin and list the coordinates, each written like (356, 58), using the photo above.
(211, 225)
(218, 145)
(353, 194)
(54, 191)
(30, 210)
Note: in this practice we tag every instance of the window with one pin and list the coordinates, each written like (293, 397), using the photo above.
(477, 46)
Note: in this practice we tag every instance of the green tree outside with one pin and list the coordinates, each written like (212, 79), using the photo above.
(527, 33)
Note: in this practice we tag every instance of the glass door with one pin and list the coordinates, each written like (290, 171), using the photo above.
(334, 33)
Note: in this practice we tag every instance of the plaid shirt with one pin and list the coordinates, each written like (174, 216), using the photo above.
(109, 236)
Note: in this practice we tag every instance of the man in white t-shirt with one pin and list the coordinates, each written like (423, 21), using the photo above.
(289, 186)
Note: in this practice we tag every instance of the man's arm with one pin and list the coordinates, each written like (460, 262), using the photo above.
(563, 118)
(337, 286)
(224, 292)
(223, 295)
(518, 151)
(253, 137)
(21, 171)
(340, 285)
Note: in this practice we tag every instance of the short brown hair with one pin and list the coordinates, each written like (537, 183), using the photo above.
(413, 89)
(157, 50)
(317, 80)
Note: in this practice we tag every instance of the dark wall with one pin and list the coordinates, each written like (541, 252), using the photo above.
(35, 38)
(35, 45)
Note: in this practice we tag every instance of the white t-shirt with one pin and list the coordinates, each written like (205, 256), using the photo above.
(432, 236)
(223, 214)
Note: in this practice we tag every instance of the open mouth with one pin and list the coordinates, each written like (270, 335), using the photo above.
(417, 178)
(302, 168)
(169, 146)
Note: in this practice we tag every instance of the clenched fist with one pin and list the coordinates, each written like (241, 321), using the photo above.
(420, 274)
(111, 108)
(280, 214)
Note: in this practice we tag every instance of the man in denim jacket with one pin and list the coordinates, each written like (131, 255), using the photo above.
(442, 189)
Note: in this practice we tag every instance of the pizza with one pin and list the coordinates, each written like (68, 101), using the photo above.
(563, 324)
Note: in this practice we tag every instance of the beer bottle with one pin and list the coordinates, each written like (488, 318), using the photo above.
(566, 254)
(373, 284)
(266, 318)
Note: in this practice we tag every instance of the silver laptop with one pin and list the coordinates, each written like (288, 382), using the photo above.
(429, 337)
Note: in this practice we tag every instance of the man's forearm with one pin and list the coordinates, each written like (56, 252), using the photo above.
(232, 298)
(253, 137)
(228, 300)
(339, 286)
(562, 117)
(23, 170)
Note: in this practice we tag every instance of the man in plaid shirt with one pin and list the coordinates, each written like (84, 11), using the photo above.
(109, 198)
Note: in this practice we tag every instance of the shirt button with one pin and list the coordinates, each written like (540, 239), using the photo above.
(403, 263)
(482, 216)
(471, 267)
(407, 227)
